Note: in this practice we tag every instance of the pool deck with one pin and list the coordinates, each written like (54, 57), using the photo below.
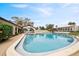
(5, 45)
(76, 53)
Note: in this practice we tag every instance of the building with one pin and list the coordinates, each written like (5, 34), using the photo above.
(29, 26)
(15, 27)
(68, 28)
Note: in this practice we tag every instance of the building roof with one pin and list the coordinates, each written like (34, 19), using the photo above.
(69, 26)
(62, 26)
(7, 20)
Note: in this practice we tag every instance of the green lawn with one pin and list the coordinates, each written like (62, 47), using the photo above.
(74, 33)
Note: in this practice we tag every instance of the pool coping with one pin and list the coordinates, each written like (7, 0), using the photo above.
(64, 52)
(11, 50)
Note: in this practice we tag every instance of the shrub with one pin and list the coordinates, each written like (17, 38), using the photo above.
(6, 31)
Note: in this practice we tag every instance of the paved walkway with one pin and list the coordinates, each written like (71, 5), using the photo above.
(6, 44)
(75, 54)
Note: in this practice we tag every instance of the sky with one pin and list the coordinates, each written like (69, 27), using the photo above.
(42, 13)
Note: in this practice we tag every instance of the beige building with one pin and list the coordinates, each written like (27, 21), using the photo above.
(15, 27)
(68, 28)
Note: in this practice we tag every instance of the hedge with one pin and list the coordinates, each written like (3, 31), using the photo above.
(5, 31)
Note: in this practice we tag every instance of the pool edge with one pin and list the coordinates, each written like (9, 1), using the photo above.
(64, 52)
(11, 50)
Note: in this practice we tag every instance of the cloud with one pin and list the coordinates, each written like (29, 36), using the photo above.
(66, 5)
(74, 8)
(45, 11)
(19, 5)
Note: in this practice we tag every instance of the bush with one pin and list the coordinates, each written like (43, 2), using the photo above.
(6, 31)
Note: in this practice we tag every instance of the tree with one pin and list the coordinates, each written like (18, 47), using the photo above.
(42, 27)
(18, 20)
(71, 23)
(26, 21)
(36, 28)
(22, 21)
(49, 27)
(56, 26)
(55, 29)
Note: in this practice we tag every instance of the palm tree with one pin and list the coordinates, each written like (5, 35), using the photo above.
(22, 21)
(18, 20)
(28, 22)
(27, 19)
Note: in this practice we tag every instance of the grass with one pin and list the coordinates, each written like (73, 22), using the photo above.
(76, 33)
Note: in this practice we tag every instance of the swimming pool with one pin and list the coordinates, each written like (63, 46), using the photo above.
(44, 43)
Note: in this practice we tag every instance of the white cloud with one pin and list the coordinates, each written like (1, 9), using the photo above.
(19, 5)
(66, 5)
(45, 11)
(71, 7)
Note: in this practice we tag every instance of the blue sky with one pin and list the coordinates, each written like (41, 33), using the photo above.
(42, 13)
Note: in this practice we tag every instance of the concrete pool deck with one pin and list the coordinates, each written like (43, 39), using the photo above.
(8, 48)
(76, 53)
(5, 45)
(69, 51)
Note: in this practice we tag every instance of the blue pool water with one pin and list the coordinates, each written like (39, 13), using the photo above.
(37, 43)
